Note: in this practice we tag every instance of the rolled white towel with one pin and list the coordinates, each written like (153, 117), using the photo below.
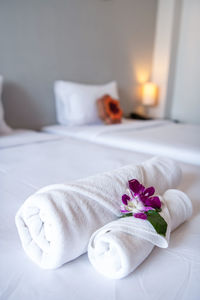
(119, 247)
(56, 223)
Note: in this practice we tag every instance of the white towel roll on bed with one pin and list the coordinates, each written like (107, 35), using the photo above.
(56, 223)
(118, 248)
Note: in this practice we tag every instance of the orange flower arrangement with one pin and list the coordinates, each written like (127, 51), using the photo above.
(109, 110)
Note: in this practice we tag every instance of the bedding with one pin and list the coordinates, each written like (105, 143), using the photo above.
(93, 132)
(26, 168)
(22, 137)
(157, 137)
(76, 103)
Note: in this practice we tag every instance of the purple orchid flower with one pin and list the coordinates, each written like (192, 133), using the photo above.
(139, 200)
(138, 189)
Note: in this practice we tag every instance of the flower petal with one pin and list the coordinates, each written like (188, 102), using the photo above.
(143, 199)
(147, 208)
(140, 216)
(149, 191)
(125, 199)
(135, 186)
(124, 211)
(153, 202)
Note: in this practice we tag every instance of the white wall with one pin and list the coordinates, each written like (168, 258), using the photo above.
(176, 63)
(186, 96)
(162, 53)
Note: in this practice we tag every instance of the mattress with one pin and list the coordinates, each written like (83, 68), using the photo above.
(172, 273)
(158, 137)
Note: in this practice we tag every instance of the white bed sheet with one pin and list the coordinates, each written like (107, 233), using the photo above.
(175, 140)
(93, 132)
(173, 273)
(22, 137)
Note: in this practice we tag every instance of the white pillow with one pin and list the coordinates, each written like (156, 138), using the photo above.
(76, 103)
(4, 128)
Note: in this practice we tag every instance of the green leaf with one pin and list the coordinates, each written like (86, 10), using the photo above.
(158, 209)
(157, 221)
(127, 215)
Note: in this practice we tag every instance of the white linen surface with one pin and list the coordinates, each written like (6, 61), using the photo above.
(56, 223)
(20, 137)
(94, 132)
(166, 274)
(157, 137)
(118, 248)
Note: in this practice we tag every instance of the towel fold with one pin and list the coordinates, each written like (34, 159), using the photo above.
(119, 247)
(56, 223)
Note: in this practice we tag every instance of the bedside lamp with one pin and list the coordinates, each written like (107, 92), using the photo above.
(149, 94)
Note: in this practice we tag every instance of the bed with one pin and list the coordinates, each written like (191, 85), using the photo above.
(157, 137)
(38, 159)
